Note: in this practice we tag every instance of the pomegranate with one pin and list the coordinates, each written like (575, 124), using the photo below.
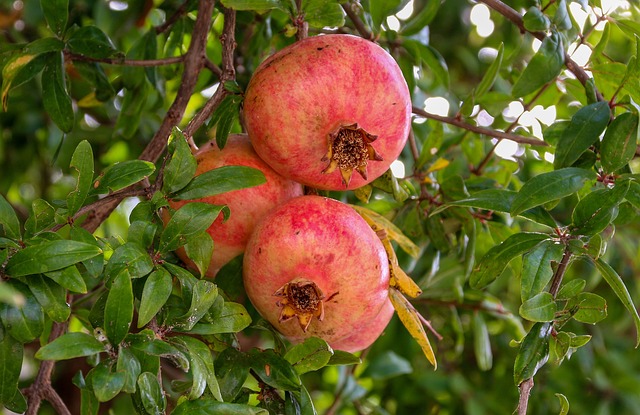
(314, 267)
(247, 206)
(328, 105)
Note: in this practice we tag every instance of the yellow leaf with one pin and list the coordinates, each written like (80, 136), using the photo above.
(438, 165)
(379, 222)
(89, 100)
(397, 277)
(409, 318)
(9, 72)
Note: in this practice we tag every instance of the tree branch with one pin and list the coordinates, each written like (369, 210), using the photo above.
(516, 19)
(194, 61)
(525, 391)
(480, 130)
(349, 9)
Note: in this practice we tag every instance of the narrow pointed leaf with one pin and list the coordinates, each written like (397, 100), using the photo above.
(597, 210)
(91, 41)
(118, 311)
(82, 163)
(51, 296)
(132, 257)
(182, 164)
(547, 187)
(481, 343)
(106, 383)
(537, 268)
(199, 249)
(312, 354)
(55, 98)
(493, 263)
(498, 200)
(190, 220)
(409, 318)
(545, 65)
(42, 216)
(619, 142)
(56, 13)
(24, 322)
(156, 292)
(221, 180)
(203, 296)
(49, 256)
(564, 404)
(130, 366)
(232, 318)
(619, 288)
(69, 346)
(533, 353)
(581, 133)
(151, 394)
(11, 355)
(9, 223)
(122, 174)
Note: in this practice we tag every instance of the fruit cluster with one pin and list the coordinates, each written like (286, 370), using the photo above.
(315, 112)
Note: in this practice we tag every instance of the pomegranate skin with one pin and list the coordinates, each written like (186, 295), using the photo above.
(325, 242)
(301, 95)
(247, 206)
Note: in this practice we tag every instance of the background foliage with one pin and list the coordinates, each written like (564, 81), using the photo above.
(518, 186)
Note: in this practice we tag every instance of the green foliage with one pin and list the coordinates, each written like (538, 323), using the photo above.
(527, 261)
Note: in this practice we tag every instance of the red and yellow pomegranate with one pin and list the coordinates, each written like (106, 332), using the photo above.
(328, 106)
(314, 267)
(247, 206)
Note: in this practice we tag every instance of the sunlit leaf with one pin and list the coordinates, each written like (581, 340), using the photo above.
(49, 256)
(533, 353)
(619, 142)
(221, 180)
(69, 346)
(543, 67)
(82, 163)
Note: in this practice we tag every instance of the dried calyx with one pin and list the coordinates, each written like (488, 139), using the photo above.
(303, 299)
(350, 149)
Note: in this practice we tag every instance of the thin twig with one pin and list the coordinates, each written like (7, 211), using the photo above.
(127, 62)
(349, 9)
(181, 11)
(525, 391)
(480, 130)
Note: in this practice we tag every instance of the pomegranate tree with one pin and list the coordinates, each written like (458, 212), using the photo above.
(324, 107)
(314, 267)
(247, 206)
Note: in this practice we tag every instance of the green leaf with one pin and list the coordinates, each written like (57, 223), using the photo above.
(118, 312)
(419, 21)
(202, 369)
(258, 5)
(199, 249)
(9, 223)
(498, 200)
(69, 346)
(430, 57)
(541, 307)
(106, 384)
(11, 355)
(25, 321)
(56, 13)
(129, 256)
(562, 19)
(232, 318)
(203, 296)
(92, 42)
(49, 256)
(322, 13)
(133, 105)
(535, 20)
(51, 296)
(537, 268)
(381, 9)
(571, 289)
(340, 358)
(55, 98)
(545, 65)
(93, 73)
(190, 220)
(121, 175)
(181, 166)
(94, 265)
(42, 216)
(387, 365)
(491, 75)
(232, 369)
(69, 278)
(482, 343)
(312, 354)
(533, 353)
(619, 142)
(619, 288)
(564, 404)
(581, 133)
(151, 395)
(148, 344)
(82, 163)
(129, 365)
(221, 180)
(547, 187)
(274, 370)
(208, 406)
(597, 210)
(588, 308)
(497, 258)
(156, 292)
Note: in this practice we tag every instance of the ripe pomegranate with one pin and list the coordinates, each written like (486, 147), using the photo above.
(328, 105)
(247, 206)
(314, 267)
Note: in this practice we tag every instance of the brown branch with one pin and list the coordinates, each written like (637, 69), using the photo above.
(122, 61)
(516, 19)
(193, 63)
(479, 130)
(228, 74)
(181, 11)
(41, 388)
(349, 9)
(525, 391)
